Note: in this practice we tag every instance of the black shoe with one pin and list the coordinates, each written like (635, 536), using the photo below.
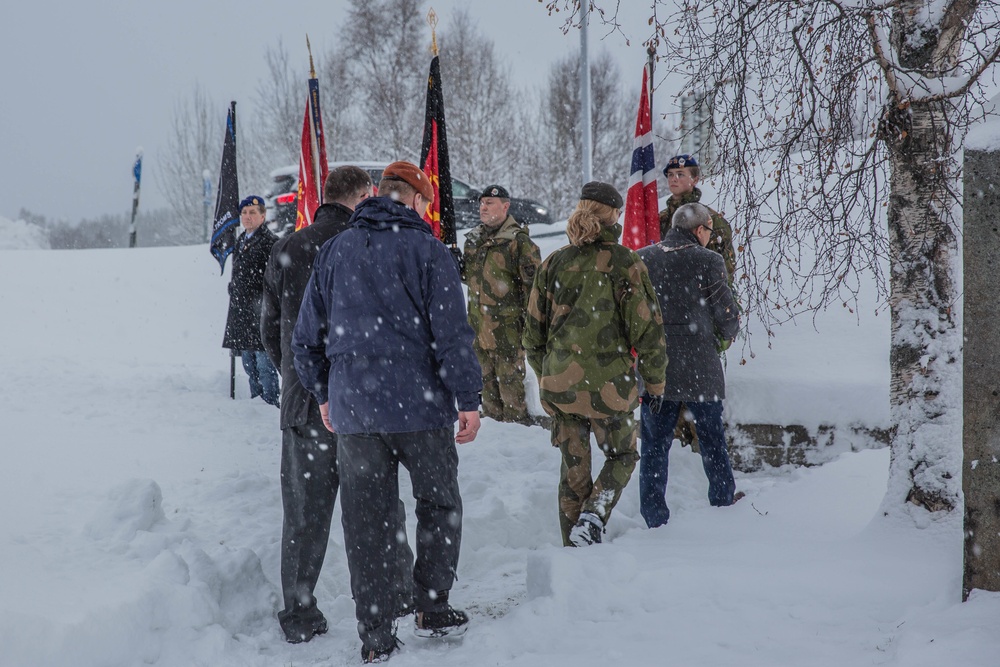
(450, 622)
(375, 655)
(403, 609)
(301, 626)
(587, 530)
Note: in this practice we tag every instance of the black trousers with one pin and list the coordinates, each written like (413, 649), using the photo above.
(309, 484)
(369, 473)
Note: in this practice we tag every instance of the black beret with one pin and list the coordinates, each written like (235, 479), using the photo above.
(604, 193)
(495, 191)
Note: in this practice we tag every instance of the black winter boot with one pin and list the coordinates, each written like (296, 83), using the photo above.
(450, 622)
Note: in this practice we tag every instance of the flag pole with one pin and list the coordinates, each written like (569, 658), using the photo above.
(434, 162)
(137, 175)
(313, 166)
(432, 21)
(317, 125)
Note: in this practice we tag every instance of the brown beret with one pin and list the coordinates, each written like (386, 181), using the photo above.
(411, 173)
(603, 193)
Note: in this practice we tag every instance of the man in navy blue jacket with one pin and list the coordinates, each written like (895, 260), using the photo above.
(384, 345)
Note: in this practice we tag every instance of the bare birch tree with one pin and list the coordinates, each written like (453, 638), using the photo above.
(556, 139)
(838, 125)
(482, 105)
(193, 145)
(197, 131)
(385, 52)
(281, 104)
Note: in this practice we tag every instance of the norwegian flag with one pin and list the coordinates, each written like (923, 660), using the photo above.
(313, 167)
(642, 221)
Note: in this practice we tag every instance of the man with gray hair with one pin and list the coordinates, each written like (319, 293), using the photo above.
(698, 310)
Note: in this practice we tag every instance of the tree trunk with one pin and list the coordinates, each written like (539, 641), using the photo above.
(926, 348)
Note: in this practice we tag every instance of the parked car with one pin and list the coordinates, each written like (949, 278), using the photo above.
(283, 192)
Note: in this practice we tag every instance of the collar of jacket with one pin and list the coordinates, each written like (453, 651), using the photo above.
(330, 209)
(609, 234)
(687, 198)
(678, 237)
(382, 213)
(505, 231)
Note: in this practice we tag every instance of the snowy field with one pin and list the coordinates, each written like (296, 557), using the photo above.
(142, 510)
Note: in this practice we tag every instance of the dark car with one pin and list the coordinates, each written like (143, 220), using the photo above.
(283, 192)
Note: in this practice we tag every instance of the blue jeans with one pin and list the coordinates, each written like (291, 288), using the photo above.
(658, 435)
(263, 375)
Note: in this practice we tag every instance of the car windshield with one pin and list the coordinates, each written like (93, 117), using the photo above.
(463, 190)
(281, 185)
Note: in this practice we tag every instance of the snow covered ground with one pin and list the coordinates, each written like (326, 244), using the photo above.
(142, 511)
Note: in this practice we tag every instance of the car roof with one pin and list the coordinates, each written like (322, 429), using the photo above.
(293, 169)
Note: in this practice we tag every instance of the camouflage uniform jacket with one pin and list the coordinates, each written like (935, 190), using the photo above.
(722, 239)
(500, 266)
(590, 306)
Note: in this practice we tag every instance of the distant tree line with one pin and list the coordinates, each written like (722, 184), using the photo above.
(157, 227)
(373, 87)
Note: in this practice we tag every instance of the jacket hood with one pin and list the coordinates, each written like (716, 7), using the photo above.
(382, 213)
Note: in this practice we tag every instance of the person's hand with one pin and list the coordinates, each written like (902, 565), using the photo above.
(654, 403)
(459, 258)
(324, 413)
(468, 426)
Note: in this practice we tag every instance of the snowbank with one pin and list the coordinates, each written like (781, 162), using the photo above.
(144, 515)
(21, 235)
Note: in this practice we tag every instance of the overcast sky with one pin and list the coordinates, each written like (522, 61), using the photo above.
(86, 83)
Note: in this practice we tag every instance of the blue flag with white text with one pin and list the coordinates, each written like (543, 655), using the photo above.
(227, 202)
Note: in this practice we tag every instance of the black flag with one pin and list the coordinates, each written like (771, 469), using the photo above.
(434, 160)
(227, 214)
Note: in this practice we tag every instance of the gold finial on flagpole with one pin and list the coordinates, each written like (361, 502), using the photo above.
(312, 70)
(432, 20)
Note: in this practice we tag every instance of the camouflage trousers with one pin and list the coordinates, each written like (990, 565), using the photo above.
(503, 384)
(578, 490)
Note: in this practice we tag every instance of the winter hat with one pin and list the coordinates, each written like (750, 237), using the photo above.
(498, 191)
(411, 174)
(603, 193)
(252, 200)
(679, 162)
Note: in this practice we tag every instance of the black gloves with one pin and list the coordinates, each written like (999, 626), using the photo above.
(654, 403)
(456, 253)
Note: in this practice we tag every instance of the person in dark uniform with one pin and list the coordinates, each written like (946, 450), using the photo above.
(245, 293)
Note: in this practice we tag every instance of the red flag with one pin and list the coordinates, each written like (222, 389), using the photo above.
(313, 167)
(642, 220)
(440, 214)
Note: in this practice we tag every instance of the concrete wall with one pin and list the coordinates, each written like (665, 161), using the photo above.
(981, 434)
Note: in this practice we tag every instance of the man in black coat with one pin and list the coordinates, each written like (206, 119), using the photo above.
(245, 292)
(309, 474)
(698, 311)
